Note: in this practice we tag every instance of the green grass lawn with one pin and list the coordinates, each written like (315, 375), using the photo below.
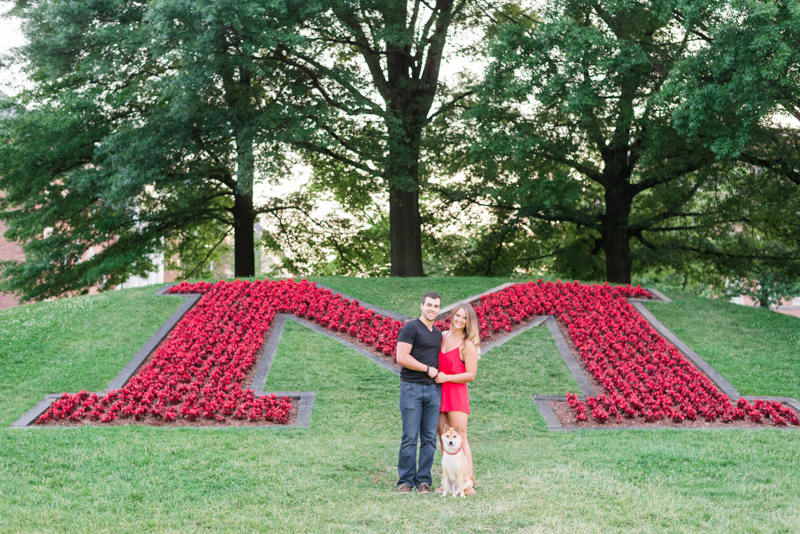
(403, 295)
(339, 475)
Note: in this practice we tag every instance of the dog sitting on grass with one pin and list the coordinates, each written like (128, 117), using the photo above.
(454, 464)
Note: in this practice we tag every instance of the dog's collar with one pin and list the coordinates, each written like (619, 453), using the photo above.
(452, 453)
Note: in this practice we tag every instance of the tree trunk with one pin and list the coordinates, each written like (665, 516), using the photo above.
(243, 213)
(405, 233)
(405, 222)
(618, 257)
(243, 242)
(616, 236)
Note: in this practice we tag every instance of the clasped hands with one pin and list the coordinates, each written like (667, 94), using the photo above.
(440, 377)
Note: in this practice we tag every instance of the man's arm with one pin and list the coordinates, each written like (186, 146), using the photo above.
(405, 359)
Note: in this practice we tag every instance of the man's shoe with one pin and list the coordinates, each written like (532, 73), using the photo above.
(424, 488)
(403, 488)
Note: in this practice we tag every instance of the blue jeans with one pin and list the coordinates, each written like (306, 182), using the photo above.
(419, 408)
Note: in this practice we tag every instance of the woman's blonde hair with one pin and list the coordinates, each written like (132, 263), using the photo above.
(471, 330)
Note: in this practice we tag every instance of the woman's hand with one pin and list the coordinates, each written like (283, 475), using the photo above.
(441, 378)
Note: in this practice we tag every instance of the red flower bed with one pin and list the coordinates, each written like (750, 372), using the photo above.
(198, 371)
(642, 373)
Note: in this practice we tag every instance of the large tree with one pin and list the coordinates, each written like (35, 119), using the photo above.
(741, 99)
(147, 125)
(376, 71)
(577, 130)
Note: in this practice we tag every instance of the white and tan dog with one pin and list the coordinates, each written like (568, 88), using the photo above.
(455, 468)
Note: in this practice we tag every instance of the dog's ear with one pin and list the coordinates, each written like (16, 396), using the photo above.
(457, 429)
(445, 427)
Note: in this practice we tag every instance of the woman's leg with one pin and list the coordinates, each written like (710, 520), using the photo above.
(460, 420)
(442, 422)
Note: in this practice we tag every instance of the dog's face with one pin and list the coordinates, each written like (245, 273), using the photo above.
(451, 438)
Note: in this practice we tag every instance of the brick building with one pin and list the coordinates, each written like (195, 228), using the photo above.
(13, 251)
(8, 251)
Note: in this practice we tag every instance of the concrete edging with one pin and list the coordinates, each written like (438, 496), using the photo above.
(306, 398)
(274, 340)
(542, 401)
(569, 358)
(444, 312)
(695, 358)
(538, 321)
(133, 365)
(377, 309)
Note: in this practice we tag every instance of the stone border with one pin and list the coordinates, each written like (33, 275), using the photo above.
(259, 380)
(133, 365)
(493, 345)
(377, 309)
(561, 343)
(542, 401)
(444, 312)
(660, 297)
(29, 417)
(274, 340)
(569, 358)
(306, 398)
(695, 358)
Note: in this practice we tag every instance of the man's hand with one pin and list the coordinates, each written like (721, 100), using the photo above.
(432, 372)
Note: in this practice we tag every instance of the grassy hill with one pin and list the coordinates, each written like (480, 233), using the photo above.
(339, 475)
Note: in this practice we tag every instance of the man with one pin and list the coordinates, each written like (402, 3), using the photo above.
(418, 346)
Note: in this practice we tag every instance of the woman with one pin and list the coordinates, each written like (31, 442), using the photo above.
(458, 364)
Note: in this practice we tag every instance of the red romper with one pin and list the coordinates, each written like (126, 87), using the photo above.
(455, 397)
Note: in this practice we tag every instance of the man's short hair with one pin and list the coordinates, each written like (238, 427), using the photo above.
(431, 295)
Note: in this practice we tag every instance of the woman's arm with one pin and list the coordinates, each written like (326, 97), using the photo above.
(470, 362)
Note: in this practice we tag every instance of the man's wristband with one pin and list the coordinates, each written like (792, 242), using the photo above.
(428, 370)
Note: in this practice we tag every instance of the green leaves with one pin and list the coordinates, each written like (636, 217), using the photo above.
(614, 120)
(145, 124)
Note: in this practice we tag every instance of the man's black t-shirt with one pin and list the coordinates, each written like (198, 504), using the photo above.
(425, 346)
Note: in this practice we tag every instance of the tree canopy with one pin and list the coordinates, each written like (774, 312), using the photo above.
(583, 150)
(378, 92)
(147, 126)
(606, 137)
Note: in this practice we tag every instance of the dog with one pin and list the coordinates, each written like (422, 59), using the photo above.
(454, 464)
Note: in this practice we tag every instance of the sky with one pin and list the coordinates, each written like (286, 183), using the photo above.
(10, 36)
